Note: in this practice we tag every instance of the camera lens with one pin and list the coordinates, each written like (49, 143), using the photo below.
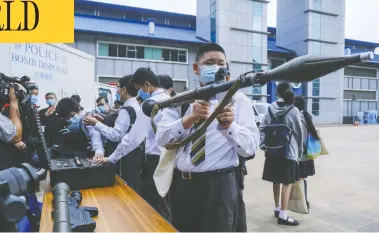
(21, 181)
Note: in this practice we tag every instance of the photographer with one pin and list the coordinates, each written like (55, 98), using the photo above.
(11, 133)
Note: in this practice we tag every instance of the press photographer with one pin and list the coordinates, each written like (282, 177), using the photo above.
(10, 128)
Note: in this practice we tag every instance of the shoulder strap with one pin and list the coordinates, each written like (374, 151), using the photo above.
(132, 115)
(273, 118)
(288, 110)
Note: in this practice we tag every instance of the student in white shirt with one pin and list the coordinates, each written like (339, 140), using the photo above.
(115, 126)
(204, 190)
(148, 86)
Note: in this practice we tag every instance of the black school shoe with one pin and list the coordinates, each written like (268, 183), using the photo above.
(276, 213)
(288, 223)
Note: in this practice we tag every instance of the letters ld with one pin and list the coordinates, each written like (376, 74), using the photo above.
(6, 8)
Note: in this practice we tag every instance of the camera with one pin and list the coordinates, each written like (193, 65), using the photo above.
(6, 82)
(15, 184)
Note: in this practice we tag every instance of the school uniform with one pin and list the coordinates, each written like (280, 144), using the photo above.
(283, 169)
(142, 130)
(306, 166)
(130, 167)
(204, 189)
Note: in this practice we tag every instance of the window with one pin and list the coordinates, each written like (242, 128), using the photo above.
(112, 50)
(121, 50)
(257, 8)
(142, 52)
(316, 87)
(316, 107)
(179, 85)
(316, 34)
(103, 50)
(361, 72)
(359, 95)
(257, 54)
(317, 5)
(257, 23)
(109, 80)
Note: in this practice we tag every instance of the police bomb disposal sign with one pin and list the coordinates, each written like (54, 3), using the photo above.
(47, 61)
(41, 21)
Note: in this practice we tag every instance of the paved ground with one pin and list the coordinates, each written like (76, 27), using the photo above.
(344, 193)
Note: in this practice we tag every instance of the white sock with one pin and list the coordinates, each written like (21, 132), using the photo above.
(283, 215)
(277, 208)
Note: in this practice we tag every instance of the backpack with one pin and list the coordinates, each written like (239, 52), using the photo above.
(277, 136)
(110, 120)
(242, 159)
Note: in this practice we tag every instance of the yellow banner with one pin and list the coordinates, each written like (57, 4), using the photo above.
(38, 21)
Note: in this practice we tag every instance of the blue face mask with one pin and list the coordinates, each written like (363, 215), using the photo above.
(34, 99)
(118, 97)
(143, 95)
(50, 102)
(207, 73)
(102, 109)
(74, 122)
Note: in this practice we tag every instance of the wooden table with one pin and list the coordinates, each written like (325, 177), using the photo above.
(120, 209)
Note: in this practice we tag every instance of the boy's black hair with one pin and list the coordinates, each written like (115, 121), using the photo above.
(167, 83)
(66, 106)
(102, 98)
(126, 82)
(143, 75)
(50, 93)
(77, 98)
(209, 48)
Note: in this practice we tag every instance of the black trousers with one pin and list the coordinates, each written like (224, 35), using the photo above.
(129, 168)
(149, 191)
(204, 202)
(241, 171)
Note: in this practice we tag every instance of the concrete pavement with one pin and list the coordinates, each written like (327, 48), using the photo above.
(344, 193)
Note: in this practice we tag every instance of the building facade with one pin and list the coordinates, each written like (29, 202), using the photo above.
(124, 38)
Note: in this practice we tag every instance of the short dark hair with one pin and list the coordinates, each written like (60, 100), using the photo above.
(165, 81)
(126, 82)
(143, 75)
(284, 90)
(77, 98)
(66, 106)
(211, 47)
(34, 88)
(50, 93)
(102, 98)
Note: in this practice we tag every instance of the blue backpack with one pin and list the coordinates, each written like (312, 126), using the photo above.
(277, 136)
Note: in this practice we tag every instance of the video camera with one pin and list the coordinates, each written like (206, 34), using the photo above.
(15, 184)
(6, 82)
(28, 112)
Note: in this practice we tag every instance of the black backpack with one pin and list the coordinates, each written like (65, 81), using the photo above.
(277, 136)
(110, 120)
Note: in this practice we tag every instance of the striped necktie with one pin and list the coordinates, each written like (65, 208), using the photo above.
(198, 148)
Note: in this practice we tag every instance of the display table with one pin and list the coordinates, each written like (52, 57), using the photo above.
(120, 209)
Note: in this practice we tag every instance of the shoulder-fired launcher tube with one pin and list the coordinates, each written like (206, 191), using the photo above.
(301, 69)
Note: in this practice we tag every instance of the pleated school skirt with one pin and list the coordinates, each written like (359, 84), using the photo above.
(280, 170)
(307, 168)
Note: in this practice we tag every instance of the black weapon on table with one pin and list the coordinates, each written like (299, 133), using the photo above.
(68, 215)
(301, 69)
